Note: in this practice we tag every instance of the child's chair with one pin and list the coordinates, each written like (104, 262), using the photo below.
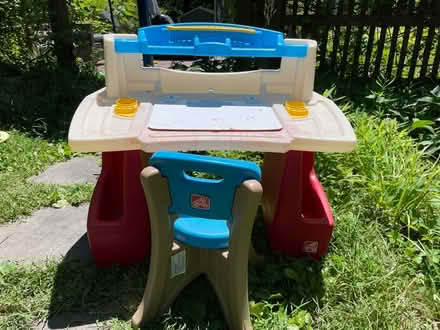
(199, 226)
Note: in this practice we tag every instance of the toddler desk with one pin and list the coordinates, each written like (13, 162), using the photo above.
(145, 109)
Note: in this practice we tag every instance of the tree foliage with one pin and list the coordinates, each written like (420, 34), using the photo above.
(91, 12)
(24, 31)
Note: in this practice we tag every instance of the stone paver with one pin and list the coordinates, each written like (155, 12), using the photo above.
(76, 170)
(59, 234)
(48, 233)
(74, 321)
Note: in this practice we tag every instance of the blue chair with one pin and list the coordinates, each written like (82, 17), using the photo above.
(199, 226)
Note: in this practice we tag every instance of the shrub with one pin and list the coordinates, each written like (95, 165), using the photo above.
(25, 33)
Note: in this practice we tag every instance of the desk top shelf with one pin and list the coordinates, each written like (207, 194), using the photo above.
(96, 128)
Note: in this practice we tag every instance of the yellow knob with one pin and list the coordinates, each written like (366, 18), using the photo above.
(126, 107)
(296, 109)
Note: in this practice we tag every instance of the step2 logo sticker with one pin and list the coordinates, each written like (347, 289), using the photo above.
(310, 246)
(200, 202)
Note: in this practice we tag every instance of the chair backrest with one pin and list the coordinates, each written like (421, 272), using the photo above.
(200, 197)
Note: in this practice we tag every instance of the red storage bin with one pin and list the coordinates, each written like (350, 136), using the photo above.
(118, 225)
(298, 217)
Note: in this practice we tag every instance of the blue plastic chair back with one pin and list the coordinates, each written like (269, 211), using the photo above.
(210, 39)
(199, 197)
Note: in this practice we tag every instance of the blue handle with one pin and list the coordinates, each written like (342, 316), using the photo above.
(212, 47)
(210, 39)
(188, 177)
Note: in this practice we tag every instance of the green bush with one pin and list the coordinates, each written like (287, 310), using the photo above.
(42, 102)
(416, 107)
(24, 31)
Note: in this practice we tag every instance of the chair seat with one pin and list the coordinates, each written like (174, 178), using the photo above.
(202, 232)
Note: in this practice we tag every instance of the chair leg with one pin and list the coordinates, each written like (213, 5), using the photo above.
(237, 299)
(162, 289)
(154, 294)
(156, 193)
(177, 283)
(228, 271)
(244, 211)
(230, 282)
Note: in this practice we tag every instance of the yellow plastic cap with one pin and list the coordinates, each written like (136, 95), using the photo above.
(296, 109)
(126, 107)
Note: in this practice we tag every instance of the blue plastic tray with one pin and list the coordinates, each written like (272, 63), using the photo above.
(210, 39)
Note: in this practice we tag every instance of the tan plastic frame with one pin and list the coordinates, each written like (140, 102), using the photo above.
(226, 269)
(124, 75)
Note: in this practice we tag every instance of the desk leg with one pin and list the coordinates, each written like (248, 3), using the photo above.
(118, 226)
(297, 214)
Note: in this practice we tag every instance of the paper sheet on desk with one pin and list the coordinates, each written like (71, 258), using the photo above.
(225, 118)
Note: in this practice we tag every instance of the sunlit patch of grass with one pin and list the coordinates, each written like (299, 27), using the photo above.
(21, 157)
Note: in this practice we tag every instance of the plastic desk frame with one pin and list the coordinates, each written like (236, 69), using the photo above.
(294, 201)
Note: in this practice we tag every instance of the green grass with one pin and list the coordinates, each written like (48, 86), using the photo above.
(23, 156)
(37, 119)
(382, 272)
(416, 106)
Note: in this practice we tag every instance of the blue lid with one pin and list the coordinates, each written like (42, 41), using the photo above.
(210, 39)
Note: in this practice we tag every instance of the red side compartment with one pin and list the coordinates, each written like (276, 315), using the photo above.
(297, 213)
(118, 225)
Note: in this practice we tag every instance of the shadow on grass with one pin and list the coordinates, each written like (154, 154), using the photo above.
(42, 103)
(83, 294)
(283, 282)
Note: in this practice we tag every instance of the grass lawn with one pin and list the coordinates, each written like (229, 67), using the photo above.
(21, 157)
(37, 119)
(382, 270)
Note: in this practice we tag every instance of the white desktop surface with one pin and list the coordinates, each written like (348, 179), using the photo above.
(182, 117)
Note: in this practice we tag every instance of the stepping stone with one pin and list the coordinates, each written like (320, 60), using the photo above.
(48, 233)
(75, 321)
(79, 170)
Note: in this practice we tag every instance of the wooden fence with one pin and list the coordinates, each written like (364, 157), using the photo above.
(368, 38)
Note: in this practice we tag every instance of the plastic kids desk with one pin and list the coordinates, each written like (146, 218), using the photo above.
(151, 108)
